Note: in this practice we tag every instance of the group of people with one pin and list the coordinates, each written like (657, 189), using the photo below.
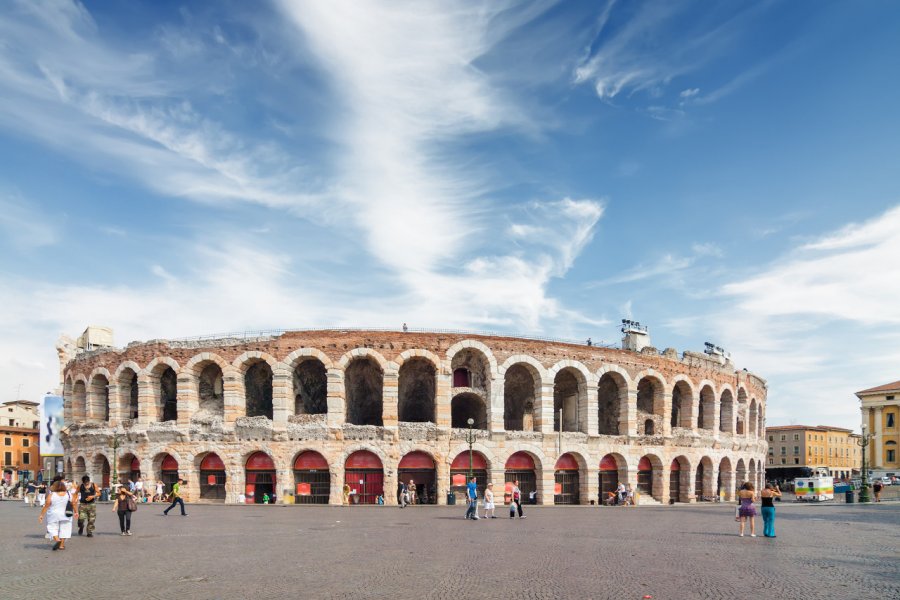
(515, 504)
(746, 511)
(622, 496)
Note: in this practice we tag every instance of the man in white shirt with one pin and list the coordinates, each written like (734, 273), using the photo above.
(139, 488)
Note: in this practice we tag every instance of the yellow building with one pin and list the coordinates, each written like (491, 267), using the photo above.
(881, 415)
(794, 447)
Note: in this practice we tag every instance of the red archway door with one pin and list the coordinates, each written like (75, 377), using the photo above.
(364, 473)
(212, 478)
(520, 466)
(169, 472)
(418, 467)
(312, 480)
(260, 478)
(675, 481)
(609, 477)
(567, 483)
(459, 474)
(645, 476)
(106, 473)
(135, 473)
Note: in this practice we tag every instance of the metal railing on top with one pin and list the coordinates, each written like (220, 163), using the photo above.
(276, 332)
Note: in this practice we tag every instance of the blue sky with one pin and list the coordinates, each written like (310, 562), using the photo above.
(722, 172)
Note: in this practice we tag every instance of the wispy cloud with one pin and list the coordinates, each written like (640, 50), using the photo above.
(24, 225)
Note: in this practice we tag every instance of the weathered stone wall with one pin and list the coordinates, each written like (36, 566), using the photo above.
(518, 381)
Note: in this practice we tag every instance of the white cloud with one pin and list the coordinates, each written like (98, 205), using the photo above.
(689, 93)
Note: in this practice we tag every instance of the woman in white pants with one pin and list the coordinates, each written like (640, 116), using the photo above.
(489, 502)
(58, 524)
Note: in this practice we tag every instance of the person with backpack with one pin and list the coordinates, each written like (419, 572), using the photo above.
(87, 498)
(175, 496)
(59, 509)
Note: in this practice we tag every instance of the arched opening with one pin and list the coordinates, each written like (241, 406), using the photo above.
(80, 468)
(79, 402)
(699, 482)
(471, 369)
(610, 391)
(725, 480)
(520, 467)
(417, 470)
(707, 413)
(751, 476)
(168, 470)
(761, 426)
(467, 406)
(416, 391)
(680, 480)
(211, 389)
(753, 418)
(726, 412)
(260, 479)
(212, 478)
(566, 393)
(258, 389)
(128, 393)
(364, 473)
(567, 482)
(649, 427)
(462, 465)
(681, 405)
(99, 396)
(134, 473)
(521, 388)
(101, 471)
(310, 388)
(650, 405)
(312, 479)
(645, 477)
(740, 424)
(740, 474)
(168, 395)
(364, 384)
(68, 474)
(612, 470)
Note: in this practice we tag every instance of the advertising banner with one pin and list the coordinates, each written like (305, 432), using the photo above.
(51, 415)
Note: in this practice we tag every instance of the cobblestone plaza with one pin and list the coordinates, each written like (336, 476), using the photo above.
(691, 551)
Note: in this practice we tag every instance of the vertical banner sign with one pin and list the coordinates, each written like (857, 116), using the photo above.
(51, 415)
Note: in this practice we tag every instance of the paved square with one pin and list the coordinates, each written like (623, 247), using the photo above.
(828, 551)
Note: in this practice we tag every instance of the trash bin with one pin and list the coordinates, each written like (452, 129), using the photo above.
(848, 496)
(451, 499)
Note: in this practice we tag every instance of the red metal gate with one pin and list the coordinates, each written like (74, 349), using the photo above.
(371, 487)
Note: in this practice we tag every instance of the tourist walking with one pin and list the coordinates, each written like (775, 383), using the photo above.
(876, 487)
(175, 497)
(404, 495)
(346, 493)
(746, 510)
(768, 496)
(412, 491)
(123, 506)
(620, 493)
(516, 500)
(59, 509)
(472, 497)
(489, 502)
(87, 512)
(41, 493)
(29, 493)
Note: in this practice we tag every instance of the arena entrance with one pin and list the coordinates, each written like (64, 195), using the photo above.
(645, 477)
(212, 478)
(364, 473)
(312, 479)
(135, 473)
(418, 467)
(566, 487)
(260, 478)
(169, 471)
(609, 477)
(675, 482)
(520, 467)
(459, 474)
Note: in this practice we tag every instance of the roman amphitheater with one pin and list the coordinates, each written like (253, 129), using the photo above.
(298, 414)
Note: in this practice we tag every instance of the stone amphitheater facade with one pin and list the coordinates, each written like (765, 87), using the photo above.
(686, 428)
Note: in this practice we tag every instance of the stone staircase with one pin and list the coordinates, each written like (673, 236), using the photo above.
(648, 500)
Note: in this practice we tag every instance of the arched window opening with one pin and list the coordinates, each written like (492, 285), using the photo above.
(681, 405)
(100, 398)
(648, 427)
(258, 389)
(416, 390)
(310, 388)
(168, 394)
(468, 406)
(726, 412)
(212, 389)
(128, 392)
(707, 414)
(521, 387)
(565, 401)
(363, 384)
(471, 369)
(609, 395)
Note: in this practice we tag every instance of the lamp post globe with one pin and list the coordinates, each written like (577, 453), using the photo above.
(864, 484)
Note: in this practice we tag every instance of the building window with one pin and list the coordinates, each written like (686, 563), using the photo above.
(7, 442)
(25, 442)
(7, 458)
(796, 449)
(890, 420)
(771, 451)
(771, 461)
(771, 438)
(796, 461)
(783, 437)
(886, 398)
(26, 458)
(891, 455)
(796, 437)
(783, 450)
(783, 461)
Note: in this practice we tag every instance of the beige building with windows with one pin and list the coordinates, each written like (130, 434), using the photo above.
(19, 432)
(792, 447)
(881, 416)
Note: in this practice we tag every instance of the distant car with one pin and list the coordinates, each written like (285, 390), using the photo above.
(881, 480)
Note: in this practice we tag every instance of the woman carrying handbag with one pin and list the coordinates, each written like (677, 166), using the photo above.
(59, 511)
(123, 506)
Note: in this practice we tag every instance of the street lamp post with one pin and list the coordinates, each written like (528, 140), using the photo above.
(114, 467)
(470, 438)
(863, 441)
